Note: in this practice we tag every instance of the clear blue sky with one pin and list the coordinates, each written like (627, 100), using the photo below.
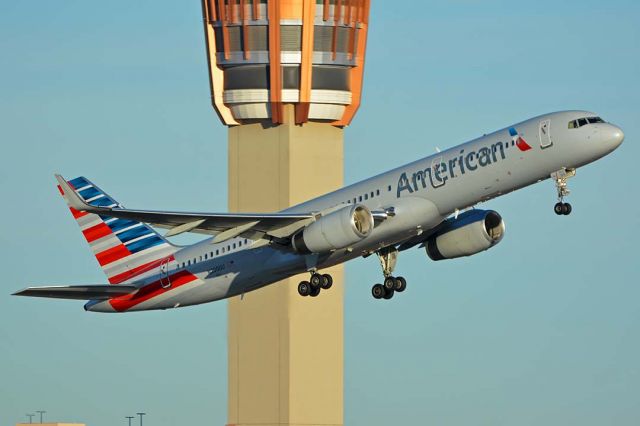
(542, 329)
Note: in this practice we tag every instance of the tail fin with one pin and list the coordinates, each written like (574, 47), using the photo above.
(124, 248)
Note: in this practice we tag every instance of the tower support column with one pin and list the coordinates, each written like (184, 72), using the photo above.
(285, 352)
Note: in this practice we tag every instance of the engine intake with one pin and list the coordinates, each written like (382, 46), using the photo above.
(336, 230)
(472, 232)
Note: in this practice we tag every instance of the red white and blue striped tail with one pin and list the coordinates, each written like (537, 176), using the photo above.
(125, 249)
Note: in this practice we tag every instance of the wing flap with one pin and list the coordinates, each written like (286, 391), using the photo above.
(78, 292)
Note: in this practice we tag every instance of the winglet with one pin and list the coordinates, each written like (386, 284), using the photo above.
(71, 196)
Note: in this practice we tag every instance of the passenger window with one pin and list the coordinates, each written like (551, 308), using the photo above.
(389, 188)
(366, 196)
(240, 244)
(360, 198)
(205, 256)
(377, 192)
(234, 246)
(217, 252)
(222, 249)
(371, 194)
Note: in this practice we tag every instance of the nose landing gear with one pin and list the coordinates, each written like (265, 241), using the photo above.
(316, 283)
(391, 284)
(560, 177)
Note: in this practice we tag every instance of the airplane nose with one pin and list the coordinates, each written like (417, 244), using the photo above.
(616, 137)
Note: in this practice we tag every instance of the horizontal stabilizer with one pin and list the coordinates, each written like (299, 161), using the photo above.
(78, 292)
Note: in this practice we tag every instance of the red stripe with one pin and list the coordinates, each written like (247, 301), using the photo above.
(112, 254)
(138, 270)
(151, 290)
(60, 190)
(95, 232)
(77, 213)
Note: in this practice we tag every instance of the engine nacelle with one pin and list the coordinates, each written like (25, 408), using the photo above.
(336, 230)
(472, 232)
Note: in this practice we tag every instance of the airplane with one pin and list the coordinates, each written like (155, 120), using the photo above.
(429, 203)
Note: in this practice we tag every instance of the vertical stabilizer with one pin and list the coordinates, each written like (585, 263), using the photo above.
(125, 249)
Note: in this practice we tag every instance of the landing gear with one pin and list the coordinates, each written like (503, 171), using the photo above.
(562, 208)
(391, 284)
(316, 283)
(304, 288)
(378, 291)
(560, 177)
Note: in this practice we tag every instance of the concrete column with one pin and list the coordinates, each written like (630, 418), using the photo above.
(285, 351)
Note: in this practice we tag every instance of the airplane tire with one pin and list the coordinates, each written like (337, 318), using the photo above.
(316, 280)
(378, 291)
(315, 291)
(327, 281)
(558, 208)
(304, 288)
(388, 294)
(566, 209)
(401, 284)
(389, 283)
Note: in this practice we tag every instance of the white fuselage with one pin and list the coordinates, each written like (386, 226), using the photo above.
(421, 194)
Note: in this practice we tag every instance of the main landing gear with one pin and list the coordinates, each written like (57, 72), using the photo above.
(560, 177)
(316, 283)
(388, 257)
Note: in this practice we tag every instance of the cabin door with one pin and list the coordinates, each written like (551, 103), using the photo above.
(165, 281)
(545, 134)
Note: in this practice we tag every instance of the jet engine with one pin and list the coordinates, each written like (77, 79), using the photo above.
(336, 230)
(472, 232)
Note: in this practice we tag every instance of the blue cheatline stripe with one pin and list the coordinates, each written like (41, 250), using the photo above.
(89, 193)
(512, 131)
(134, 233)
(79, 182)
(119, 224)
(145, 244)
(102, 201)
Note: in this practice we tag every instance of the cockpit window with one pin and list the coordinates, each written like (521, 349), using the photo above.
(584, 121)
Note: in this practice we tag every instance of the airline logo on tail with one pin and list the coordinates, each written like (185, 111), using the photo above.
(519, 140)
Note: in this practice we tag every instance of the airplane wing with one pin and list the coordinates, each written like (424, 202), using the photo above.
(79, 292)
(223, 225)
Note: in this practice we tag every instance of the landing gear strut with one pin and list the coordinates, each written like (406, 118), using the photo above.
(316, 283)
(388, 258)
(560, 177)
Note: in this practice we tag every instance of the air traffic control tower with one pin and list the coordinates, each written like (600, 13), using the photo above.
(286, 77)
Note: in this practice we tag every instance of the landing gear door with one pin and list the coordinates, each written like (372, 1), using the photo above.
(545, 134)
